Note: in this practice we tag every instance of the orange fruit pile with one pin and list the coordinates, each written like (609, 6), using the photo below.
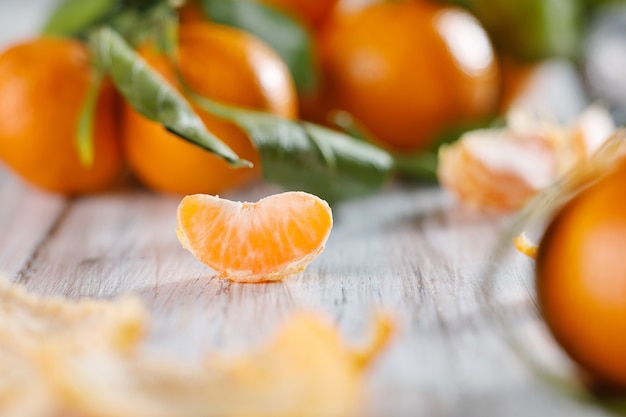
(43, 87)
(252, 242)
(406, 71)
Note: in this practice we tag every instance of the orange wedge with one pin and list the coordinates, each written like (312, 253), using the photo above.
(252, 242)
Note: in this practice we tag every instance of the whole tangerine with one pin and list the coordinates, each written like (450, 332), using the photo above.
(223, 64)
(43, 85)
(581, 278)
(409, 69)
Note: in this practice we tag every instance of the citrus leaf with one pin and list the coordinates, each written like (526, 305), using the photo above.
(531, 29)
(73, 17)
(422, 166)
(151, 95)
(84, 136)
(290, 39)
(307, 157)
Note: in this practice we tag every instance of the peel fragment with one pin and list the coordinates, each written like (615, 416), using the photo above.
(58, 359)
(502, 169)
(30, 325)
(525, 246)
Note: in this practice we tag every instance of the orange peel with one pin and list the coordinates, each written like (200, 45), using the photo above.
(502, 169)
(525, 246)
(85, 359)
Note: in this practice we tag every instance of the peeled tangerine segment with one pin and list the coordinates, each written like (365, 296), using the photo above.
(264, 241)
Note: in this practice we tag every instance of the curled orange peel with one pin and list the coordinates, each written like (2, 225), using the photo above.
(525, 246)
(503, 169)
(85, 359)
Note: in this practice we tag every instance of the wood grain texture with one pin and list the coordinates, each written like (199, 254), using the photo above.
(27, 216)
(409, 251)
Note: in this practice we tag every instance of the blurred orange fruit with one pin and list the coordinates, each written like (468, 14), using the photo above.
(407, 70)
(250, 242)
(43, 84)
(516, 76)
(191, 11)
(581, 278)
(223, 64)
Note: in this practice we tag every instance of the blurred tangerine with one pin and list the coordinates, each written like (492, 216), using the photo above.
(581, 279)
(43, 84)
(408, 70)
(220, 63)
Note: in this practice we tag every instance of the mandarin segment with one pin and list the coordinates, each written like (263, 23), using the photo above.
(251, 242)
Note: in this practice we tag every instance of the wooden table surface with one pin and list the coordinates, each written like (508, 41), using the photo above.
(409, 250)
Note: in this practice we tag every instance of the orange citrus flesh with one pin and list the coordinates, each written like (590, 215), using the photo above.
(252, 242)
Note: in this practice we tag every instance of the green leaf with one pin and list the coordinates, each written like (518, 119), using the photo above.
(307, 157)
(151, 95)
(143, 19)
(290, 39)
(532, 29)
(74, 17)
(84, 137)
(422, 166)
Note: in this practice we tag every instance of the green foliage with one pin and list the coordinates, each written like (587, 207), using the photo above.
(75, 17)
(531, 29)
(307, 157)
(151, 96)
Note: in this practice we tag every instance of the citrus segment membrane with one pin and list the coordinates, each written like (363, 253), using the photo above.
(250, 242)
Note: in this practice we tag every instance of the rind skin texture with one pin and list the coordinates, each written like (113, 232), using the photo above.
(581, 279)
(194, 238)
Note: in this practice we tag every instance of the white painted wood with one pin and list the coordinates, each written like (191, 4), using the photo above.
(410, 251)
(26, 217)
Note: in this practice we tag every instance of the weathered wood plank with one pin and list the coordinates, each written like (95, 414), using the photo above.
(409, 251)
(113, 243)
(26, 218)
